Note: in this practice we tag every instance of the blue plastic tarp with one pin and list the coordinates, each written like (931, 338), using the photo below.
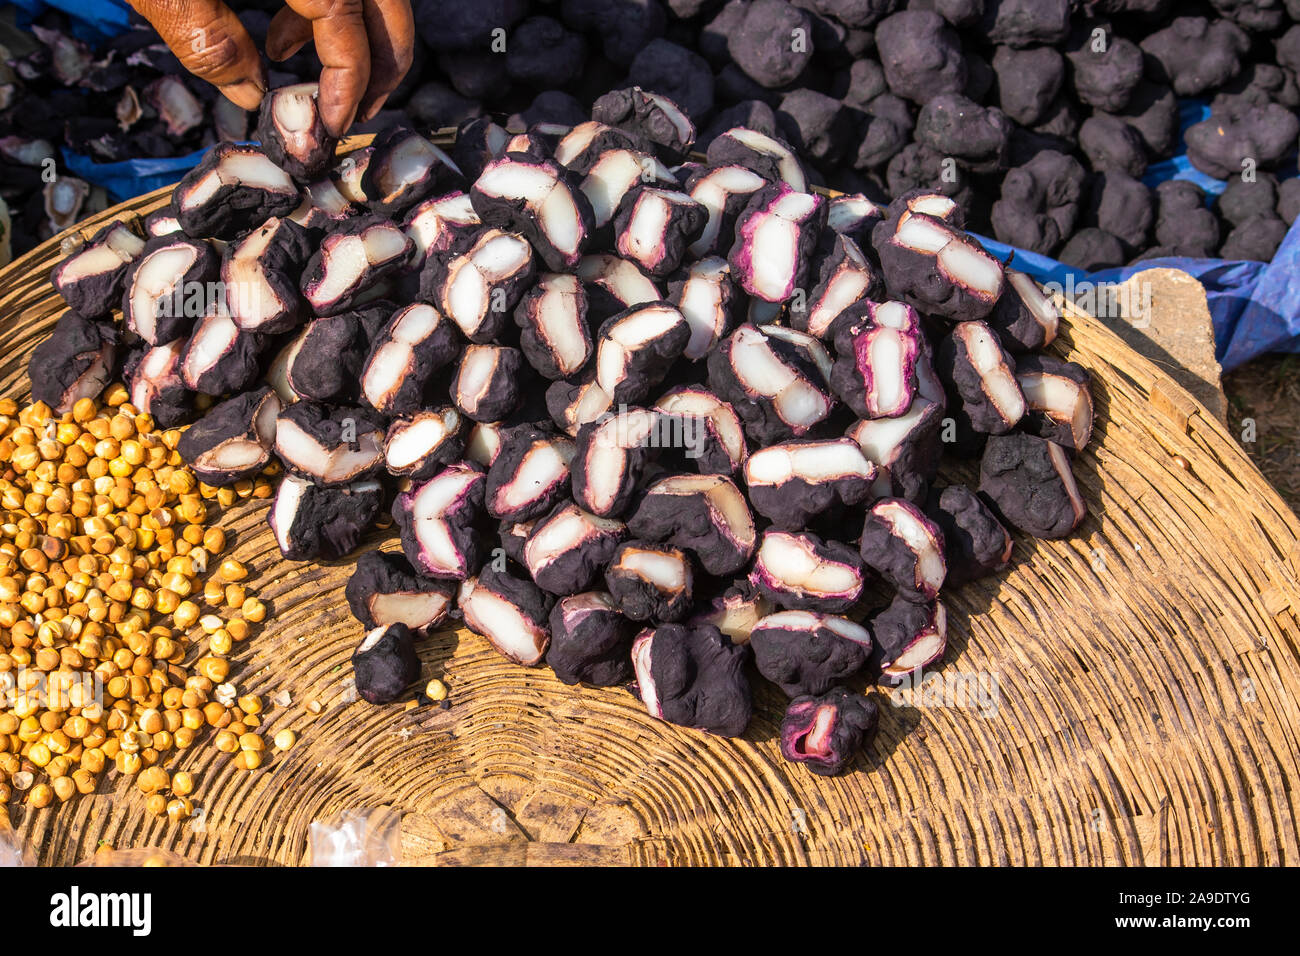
(131, 177)
(92, 20)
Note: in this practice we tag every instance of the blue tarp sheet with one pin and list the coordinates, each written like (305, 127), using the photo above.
(1255, 306)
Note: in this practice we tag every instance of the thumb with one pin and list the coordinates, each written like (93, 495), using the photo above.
(211, 43)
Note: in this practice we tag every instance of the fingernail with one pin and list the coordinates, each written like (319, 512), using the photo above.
(277, 52)
(370, 112)
(246, 94)
(337, 122)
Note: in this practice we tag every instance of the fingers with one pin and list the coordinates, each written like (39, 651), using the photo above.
(211, 43)
(391, 28)
(288, 33)
(339, 30)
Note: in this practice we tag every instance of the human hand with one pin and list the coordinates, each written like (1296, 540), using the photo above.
(365, 48)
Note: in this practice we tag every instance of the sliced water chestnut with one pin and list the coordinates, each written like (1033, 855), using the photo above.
(771, 158)
(234, 189)
(724, 192)
(875, 373)
(907, 448)
(650, 582)
(529, 475)
(442, 226)
(161, 222)
(975, 542)
(553, 331)
(735, 611)
(330, 445)
(654, 226)
(514, 536)
(261, 272)
(777, 379)
(1030, 482)
(538, 201)
(908, 638)
(439, 520)
(591, 642)
(583, 146)
(715, 441)
(973, 364)
(1025, 319)
(404, 168)
(709, 301)
(650, 117)
(349, 173)
(219, 356)
(74, 362)
(478, 288)
(233, 441)
(292, 132)
(91, 281)
(351, 261)
(484, 443)
(322, 206)
(415, 345)
(795, 482)
(153, 377)
(511, 612)
(572, 404)
(385, 664)
(326, 364)
(609, 459)
(613, 285)
(926, 202)
(568, 549)
(855, 216)
(384, 589)
(489, 382)
(313, 522)
(824, 732)
(905, 548)
(775, 238)
(1058, 400)
(693, 676)
(802, 572)
(803, 652)
(479, 140)
(614, 174)
(845, 277)
(168, 287)
(936, 268)
(419, 445)
(529, 145)
(636, 348)
(703, 514)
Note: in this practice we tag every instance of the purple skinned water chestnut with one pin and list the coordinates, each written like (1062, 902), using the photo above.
(385, 589)
(510, 611)
(591, 642)
(803, 652)
(693, 676)
(824, 732)
(439, 522)
(91, 280)
(905, 548)
(234, 440)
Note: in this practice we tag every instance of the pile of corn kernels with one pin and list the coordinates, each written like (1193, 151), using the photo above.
(117, 609)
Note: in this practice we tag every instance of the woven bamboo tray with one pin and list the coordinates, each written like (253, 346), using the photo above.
(1147, 668)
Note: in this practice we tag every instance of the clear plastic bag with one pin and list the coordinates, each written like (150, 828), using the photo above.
(13, 852)
(357, 838)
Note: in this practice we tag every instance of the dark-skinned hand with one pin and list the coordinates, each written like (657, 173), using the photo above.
(365, 48)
